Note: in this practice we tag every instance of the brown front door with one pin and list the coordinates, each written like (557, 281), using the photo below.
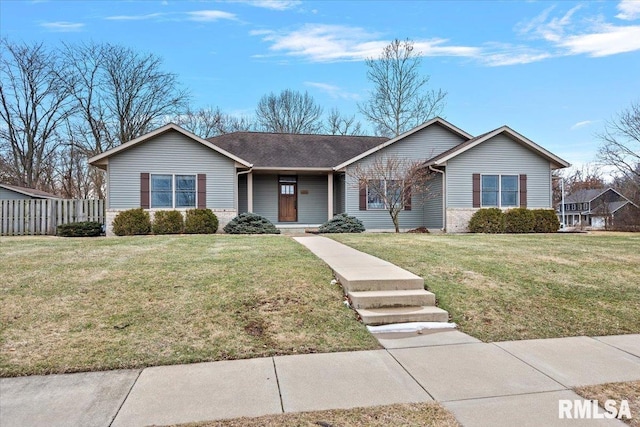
(288, 202)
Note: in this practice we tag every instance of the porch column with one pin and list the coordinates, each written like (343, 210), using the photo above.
(250, 192)
(330, 195)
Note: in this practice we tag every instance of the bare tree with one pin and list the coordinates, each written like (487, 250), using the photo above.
(400, 99)
(74, 176)
(120, 94)
(289, 112)
(337, 124)
(393, 183)
(208, 122)
(621, 143)
(33, 108)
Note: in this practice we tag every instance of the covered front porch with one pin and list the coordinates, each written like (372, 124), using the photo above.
(291, 199)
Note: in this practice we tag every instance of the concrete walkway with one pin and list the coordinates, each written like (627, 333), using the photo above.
(482, 384)
(381, 292)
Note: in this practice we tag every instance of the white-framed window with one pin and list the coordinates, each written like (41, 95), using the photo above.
(499, 191)
(382, 192)
(173, 191)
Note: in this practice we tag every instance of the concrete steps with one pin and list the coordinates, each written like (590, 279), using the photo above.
(396, 298)
(387, 315)
(377, 278)
(382, 293)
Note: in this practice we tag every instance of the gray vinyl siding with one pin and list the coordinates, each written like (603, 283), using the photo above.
(499, 155)
(312, 207)
(422, 145)
(265, 196)
(170, 153)
(432, 208)
(6, 194)
(242, 194)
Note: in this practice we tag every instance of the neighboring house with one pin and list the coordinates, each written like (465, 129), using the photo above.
(13, 192)
(303, 180)
(595, 208)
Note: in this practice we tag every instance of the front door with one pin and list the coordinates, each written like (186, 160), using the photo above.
(288, 202)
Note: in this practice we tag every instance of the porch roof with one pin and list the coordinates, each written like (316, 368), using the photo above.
(290, 151)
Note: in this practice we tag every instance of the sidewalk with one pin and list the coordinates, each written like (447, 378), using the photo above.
(482, 384)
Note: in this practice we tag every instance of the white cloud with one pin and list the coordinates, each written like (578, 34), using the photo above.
(504, 54)
(197, 15)
(63, 26)
(273, 4)
(135, 17)
(210, 15)
(582, 124)
(593, 36)
(606, 40)
(333, 91)
(629, 10)
(329, 43)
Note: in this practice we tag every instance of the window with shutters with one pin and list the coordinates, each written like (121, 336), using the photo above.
(499, 190)
(173, 191)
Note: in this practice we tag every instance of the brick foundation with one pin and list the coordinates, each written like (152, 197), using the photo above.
(458, 219)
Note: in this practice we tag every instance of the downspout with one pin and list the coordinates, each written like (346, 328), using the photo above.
(444, 198)
(237, 176)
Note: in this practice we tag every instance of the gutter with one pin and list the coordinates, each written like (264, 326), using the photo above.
(444, 197)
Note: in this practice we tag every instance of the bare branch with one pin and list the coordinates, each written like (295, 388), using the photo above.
(621, 143)
(289, 112)
(399, 100)
(337, 124)
(392, 182)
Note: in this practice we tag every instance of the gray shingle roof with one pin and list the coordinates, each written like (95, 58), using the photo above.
(276, 150)
(30, 191)
(582, 196)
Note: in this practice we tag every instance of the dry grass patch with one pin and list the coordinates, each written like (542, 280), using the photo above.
(73, 304)
(629, 391)
(418, 414)
(509, 287)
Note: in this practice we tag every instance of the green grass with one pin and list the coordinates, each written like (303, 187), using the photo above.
(74, 304)
(509, 287)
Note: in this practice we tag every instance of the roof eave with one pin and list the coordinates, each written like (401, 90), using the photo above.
(292, 168)
(505, 129)
(170, 126)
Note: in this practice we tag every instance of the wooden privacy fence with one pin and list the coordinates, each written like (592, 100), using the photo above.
(32, 217)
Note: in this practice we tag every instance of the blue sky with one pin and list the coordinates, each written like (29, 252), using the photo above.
(553, 71)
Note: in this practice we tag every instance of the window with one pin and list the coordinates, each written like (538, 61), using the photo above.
(173, 191)
(509, 190)
(382, 192)
(499, 190)
(375, 190)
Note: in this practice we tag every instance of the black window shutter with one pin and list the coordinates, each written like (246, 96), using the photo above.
(476, 190)
(407, 199)
(363, 195)
(144, 190)
(202, 191)
(523, 191)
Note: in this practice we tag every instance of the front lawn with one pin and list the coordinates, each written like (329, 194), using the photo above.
(510, 287)
(74, 304)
